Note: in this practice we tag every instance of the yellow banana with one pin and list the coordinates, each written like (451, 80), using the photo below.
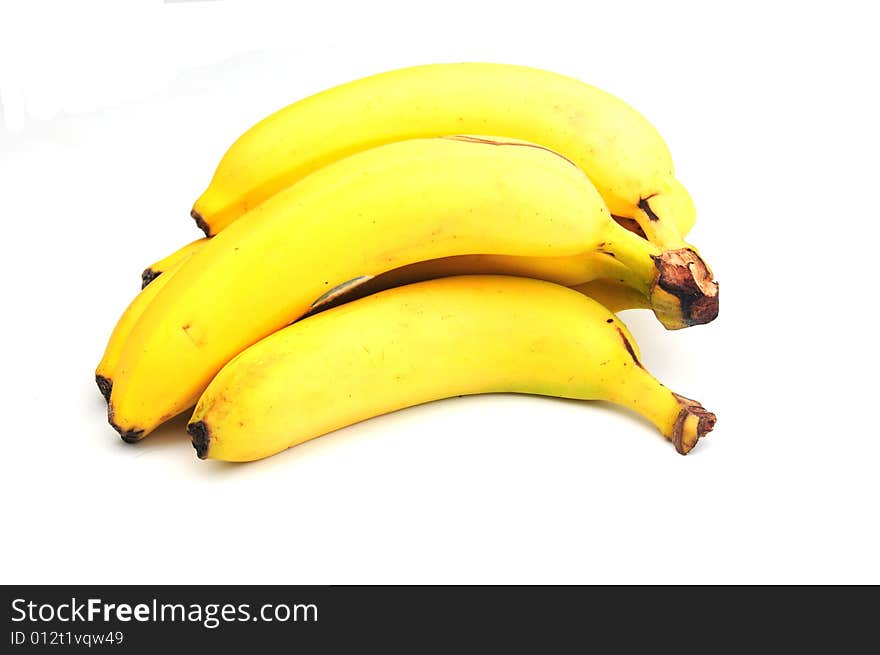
(154, 270)
(414, 344)
(106, 368)
(619, 150)
(369, 213)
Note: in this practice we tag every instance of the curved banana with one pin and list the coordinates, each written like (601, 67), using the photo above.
(154, 270)
(414, 344)
(369, 213)
(132, 314)
(619, 150)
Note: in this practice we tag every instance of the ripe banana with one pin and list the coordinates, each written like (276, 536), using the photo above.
(153, 271)
(414, 344)
(369, 213)
(619, 150)
(107, 366)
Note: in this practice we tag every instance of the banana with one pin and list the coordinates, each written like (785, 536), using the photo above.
(154, 270)
(367, 214)
(423, 342)
(620, 151)
(106, 367)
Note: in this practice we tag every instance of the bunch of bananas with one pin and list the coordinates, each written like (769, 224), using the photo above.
(423, 233)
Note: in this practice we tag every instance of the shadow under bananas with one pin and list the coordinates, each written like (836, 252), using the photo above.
(172, 436)
(169, 436)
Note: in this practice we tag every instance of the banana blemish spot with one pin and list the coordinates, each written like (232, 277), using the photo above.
(193, 333)
(645, 207)
(629, 348)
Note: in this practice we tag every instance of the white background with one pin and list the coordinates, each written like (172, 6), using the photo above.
(113, 118)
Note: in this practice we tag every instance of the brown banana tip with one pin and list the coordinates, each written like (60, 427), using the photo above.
(201, 437)
(132, 435)
(685, 275)
(203, 226)
(684, 434)
(148, 276)
(128, 436)
(105, 386)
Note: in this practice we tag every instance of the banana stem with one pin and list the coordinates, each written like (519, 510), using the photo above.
(678, 282)
(635, 253)
(681, 420)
